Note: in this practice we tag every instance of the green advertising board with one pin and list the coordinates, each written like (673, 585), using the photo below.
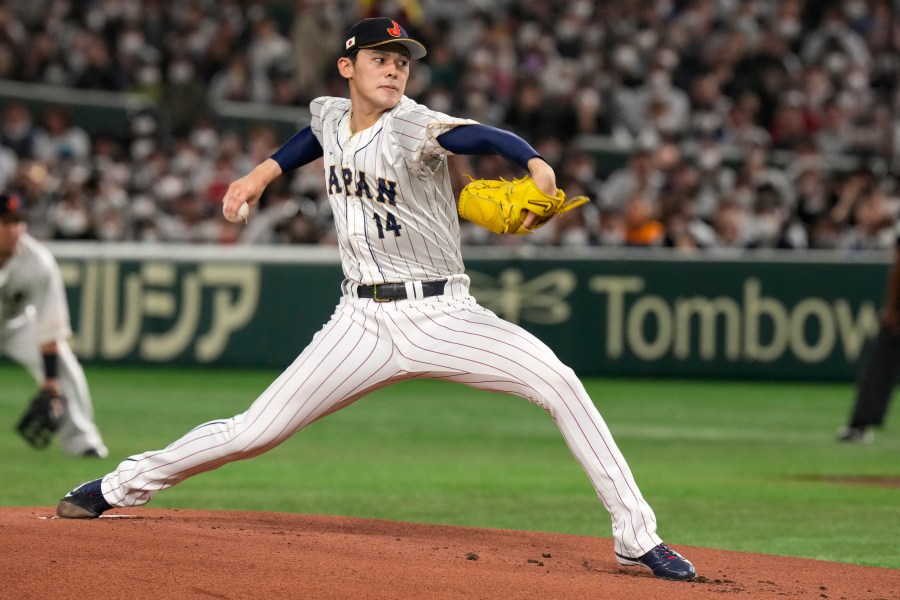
(603, 313)
(627, 315)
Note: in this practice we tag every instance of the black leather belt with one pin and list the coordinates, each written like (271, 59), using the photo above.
(386, 292)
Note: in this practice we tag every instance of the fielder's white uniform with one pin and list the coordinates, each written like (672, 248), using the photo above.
(396, 220)
(34, 311)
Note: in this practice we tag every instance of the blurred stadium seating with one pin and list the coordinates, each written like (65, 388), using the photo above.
(693, 124)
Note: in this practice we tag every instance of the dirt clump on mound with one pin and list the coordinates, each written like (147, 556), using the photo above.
(181, 554)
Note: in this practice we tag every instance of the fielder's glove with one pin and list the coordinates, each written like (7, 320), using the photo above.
(42, 418)
(498, 205)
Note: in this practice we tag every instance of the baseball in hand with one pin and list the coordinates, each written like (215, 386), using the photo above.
(242, 213)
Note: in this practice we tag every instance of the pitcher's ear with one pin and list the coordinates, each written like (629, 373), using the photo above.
(346, 65)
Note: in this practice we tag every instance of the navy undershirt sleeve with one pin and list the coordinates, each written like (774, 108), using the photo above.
(302, 148)
(484, 139)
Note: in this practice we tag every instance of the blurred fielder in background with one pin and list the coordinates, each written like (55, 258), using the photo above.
(34, 331)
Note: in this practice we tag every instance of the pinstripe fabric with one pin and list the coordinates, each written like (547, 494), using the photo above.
(367, 345)
(396, 220)
(390, 193)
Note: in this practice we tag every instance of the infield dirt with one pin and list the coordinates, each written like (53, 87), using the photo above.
(181, 554)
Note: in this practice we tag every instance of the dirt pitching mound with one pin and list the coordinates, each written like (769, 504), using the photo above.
(163, 554)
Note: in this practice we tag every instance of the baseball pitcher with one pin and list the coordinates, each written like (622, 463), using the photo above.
(405, 310)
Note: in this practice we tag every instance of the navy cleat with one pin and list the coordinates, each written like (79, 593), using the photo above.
(84, 502)
(664, 562)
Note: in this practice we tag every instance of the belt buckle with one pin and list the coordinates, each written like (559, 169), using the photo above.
(375, 295)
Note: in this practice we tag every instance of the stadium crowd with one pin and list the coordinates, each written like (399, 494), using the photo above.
(746, 123)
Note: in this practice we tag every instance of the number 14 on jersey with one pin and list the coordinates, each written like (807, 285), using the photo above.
(390, 224)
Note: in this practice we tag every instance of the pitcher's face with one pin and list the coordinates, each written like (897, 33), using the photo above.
(379, 76)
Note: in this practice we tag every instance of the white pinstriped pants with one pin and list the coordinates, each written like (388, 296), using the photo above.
(367, 345)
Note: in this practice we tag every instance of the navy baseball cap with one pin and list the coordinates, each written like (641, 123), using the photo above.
(11, 208)
(378, 31)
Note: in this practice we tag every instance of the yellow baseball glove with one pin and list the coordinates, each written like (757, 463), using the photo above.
(499, 206)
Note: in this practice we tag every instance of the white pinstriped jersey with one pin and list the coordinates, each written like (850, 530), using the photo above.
(389, 188)
(396, 219)
(30, 281)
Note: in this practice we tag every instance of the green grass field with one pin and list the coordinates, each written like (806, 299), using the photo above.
(733, 465)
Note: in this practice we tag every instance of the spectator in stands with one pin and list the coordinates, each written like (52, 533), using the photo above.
(96, 68)
(298, 228)
(661, 106)
(591, 111)
(610, 227)
(685, 231)
(872, 227)
(183, 100)
(640, 174)
(532, 111)
(835, 131)
(43, 63)
(315, 24)
(30, 182)
(835, 44)
(111, 226)
(190, 221)
(765, 72)
(813, 196)
(729, 227)
(145, 220)
(70, 218)
(709, 107)
(790, 125)
(267, 53)
(757, 172)
(642, 228)
(58, 140)
(740, 128)
(18, 131)
(233, 82)
(715, 180)
(848, 194)
(771, 224)
(626, 72)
